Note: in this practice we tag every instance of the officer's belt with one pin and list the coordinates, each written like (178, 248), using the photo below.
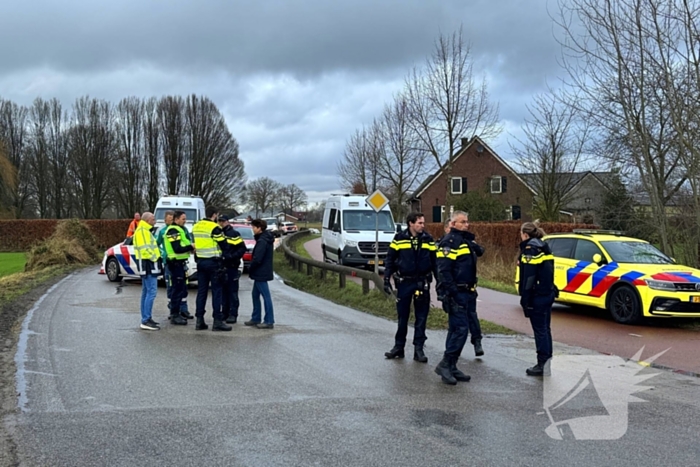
(468, 287)
(168, 260)
(413, 278)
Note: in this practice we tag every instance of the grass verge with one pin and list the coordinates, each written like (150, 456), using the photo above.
(11, 263)
(15, 285)
(375, 303)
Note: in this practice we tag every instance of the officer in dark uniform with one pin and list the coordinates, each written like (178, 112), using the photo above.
(537, 292)
(411, 260)
(233, 254)
(456, 261)
(178, 248)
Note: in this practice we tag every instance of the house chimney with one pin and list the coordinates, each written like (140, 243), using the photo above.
(465, 142)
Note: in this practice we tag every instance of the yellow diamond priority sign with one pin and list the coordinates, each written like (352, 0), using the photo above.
(377, 200)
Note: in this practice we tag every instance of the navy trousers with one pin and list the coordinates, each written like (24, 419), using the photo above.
(541, 318)
(406, 294)
(178, 286)
(459, 308)
(209, 273)
(230, 300)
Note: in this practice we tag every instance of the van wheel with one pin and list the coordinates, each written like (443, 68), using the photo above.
(340, 258)
(323, 252)
(624, 305)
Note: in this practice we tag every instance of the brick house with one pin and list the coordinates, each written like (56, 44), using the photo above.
(475, 167)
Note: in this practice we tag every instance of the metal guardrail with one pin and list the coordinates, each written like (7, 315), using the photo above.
(298, 262)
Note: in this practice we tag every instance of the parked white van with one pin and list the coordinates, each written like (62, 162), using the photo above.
(348, 236)
(193, 207)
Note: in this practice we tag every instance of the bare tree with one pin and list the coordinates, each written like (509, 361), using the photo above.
(447, 102)
(152, 152)
(57, 147)
(7, 182)
(290, 198)
(38, 156)
(402, 163)
(362, 158)
(261, 195)
(171, 114)
(616, 54)
(13, 134)
(215, 172)
(91, 144)
(130, 156)
(552, 150)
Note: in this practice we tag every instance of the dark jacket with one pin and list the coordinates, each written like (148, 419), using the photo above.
(411, 257)
(260, 268)
(234, 249)
(536, 271)
(456, 261)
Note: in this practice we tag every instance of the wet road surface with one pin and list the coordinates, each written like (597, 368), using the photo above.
(588, 327)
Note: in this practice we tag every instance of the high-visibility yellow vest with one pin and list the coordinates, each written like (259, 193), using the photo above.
(173, 234)
(204, 239)
(146, 248)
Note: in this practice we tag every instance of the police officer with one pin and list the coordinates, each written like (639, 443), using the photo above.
(209, 242)
(178, 248)
(232, 254)
(537, 292)
(456, 261)
(411, 261)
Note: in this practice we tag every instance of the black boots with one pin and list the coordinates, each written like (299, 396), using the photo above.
(443, 369)
(186, 315)
(220, 326)
(201, 325)
(459, 376)
(541, 369)
(177, 319)
(419, 355)
(478, 349)
(232, 319)
(396, 352)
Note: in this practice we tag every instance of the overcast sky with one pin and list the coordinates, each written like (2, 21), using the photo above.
(294, 78)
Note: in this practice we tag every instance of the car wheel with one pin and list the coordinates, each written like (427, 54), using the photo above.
(624, 305)
(112, 270)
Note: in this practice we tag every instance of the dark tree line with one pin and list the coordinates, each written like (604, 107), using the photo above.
(98, 159)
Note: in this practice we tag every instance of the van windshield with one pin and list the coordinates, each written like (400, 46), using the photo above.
(366, 220)
(190, 213)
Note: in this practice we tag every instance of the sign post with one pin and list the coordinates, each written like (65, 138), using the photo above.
(376, 201)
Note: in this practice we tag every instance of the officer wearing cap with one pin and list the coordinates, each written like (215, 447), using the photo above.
(233, 254)
(456, 261)
(411, 261)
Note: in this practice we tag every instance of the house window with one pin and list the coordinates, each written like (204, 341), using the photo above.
(496, 186)
(456, 188)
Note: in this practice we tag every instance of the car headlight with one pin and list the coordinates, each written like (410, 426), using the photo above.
(660, 285)
(351, 243)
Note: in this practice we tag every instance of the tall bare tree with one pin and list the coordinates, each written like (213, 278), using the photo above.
(402, 163)
(291, 198)
(13, 134)
(152, 152)
(92, 154)
(447, 101)
(215, 172)
(130, 156)
(261, 195)
(57, 144)
(171, 114)
(615, 53)
(38, 155)
(552, 150)
(7, 183)
(362, 159)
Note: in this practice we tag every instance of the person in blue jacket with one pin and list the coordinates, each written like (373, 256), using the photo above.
(260, 271)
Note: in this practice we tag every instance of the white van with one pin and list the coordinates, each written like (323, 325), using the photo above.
(193, 207)
(348, 236)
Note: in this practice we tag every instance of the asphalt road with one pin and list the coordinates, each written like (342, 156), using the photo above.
(588, 327)
(316, 390)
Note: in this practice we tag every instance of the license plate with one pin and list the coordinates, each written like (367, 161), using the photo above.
(695, 299)
(382, 262)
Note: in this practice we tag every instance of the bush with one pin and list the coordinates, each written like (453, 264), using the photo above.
(71, 243)
(23, 234)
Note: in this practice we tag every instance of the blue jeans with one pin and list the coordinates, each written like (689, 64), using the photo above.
(540, 318)
(149, 287)
(262, 288)
(459, 309)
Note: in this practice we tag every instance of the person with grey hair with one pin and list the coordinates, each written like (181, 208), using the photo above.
(148, 257)
(456, 263)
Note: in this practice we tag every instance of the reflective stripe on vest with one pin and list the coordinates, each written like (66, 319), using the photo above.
(145, 246)
(204, 242)
(173, 234)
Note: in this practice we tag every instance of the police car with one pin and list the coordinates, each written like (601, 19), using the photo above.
(629, 277)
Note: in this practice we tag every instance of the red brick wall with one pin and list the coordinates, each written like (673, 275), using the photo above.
(477, 168)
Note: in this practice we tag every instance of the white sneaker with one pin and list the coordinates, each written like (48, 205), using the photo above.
(150, 326)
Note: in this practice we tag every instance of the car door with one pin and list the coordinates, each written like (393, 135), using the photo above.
(587, 275)
(332, 234)
(563, 252)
